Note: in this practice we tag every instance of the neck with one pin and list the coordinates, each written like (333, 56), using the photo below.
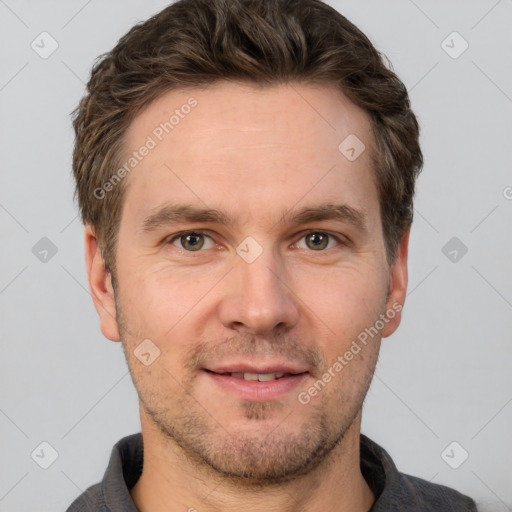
(171, 482)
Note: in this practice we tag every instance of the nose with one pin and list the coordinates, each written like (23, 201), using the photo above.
(257, 297)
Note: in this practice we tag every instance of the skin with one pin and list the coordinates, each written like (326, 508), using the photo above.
(257, 154)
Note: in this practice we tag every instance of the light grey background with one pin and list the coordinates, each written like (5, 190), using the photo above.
(444, 376)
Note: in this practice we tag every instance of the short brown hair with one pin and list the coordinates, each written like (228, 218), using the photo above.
(198, 42)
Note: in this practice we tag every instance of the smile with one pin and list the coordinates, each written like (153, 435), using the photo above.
(257, 386)
(261, 377)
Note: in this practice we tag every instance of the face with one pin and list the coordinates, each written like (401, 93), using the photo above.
(251, 256)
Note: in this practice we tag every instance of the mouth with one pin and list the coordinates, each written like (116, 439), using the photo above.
(260, 377)
(257, 384)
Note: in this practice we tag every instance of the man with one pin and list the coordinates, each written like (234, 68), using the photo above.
(245, 171)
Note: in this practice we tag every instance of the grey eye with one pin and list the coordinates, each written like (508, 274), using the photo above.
(317, 241)
(193, 241)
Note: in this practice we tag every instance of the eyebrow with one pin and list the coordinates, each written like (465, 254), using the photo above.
(172, 214)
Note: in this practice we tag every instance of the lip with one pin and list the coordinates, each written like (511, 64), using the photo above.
(255, 390)
(249, 367)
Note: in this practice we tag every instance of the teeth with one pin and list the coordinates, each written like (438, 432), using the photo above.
(262, 377)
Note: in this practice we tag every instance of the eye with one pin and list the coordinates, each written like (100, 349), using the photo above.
(192, 241)
(318, 241)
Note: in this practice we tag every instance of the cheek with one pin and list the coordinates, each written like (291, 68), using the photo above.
(160, 305)
(346, 301)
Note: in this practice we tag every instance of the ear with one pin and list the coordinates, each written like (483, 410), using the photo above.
(397, 287)
(100, 284)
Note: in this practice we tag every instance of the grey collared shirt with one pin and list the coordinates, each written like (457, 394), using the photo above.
(394, 491)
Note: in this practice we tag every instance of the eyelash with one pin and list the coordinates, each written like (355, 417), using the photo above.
(177, 236)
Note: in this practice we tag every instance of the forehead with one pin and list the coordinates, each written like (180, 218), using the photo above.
(251, 147)
(239, 111)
